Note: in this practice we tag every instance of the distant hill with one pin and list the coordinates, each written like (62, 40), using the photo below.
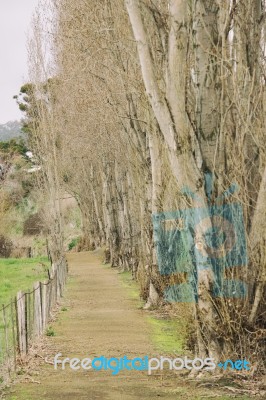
(10, 130)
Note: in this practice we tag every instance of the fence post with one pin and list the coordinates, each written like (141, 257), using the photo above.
(26, 321)
(38, 323)
(13, 321)
(21, 323)
(29, 314)
(49, 297)
(45, 303)
(54, 285)
(60, 280)
(6, 340)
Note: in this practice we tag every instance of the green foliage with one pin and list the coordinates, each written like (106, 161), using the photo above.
(50, 331)
(30, 103)
(27, 88)
(23, 107)
(14, 146)
(73, 243)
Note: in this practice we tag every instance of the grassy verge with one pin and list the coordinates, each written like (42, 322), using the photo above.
(20, 274)
(132, 287)
(167, 334)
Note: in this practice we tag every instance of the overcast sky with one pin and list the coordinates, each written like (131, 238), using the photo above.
(15, 19)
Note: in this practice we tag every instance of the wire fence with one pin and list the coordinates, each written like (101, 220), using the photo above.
(26, 317)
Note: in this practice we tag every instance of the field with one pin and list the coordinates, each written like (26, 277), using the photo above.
(20, 274)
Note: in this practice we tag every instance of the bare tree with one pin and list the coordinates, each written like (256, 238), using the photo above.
(157, 106)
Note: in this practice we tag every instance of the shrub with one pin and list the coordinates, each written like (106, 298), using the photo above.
(50, 331)
(6, 246)
(73, 243)
(34, 225)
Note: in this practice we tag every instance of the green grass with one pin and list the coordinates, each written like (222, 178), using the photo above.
(191, 392)
(168, 335)
(20, 274)
(50, 331)
(131, 286)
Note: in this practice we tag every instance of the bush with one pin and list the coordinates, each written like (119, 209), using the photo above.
(34, 225)
(73, 243)
(6, 246)
(50, 331)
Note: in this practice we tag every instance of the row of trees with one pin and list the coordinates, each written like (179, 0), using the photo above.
(139, 108)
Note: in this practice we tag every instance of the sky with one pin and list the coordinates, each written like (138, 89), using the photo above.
(15, 20)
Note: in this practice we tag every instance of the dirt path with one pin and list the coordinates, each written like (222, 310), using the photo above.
(101, 320)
